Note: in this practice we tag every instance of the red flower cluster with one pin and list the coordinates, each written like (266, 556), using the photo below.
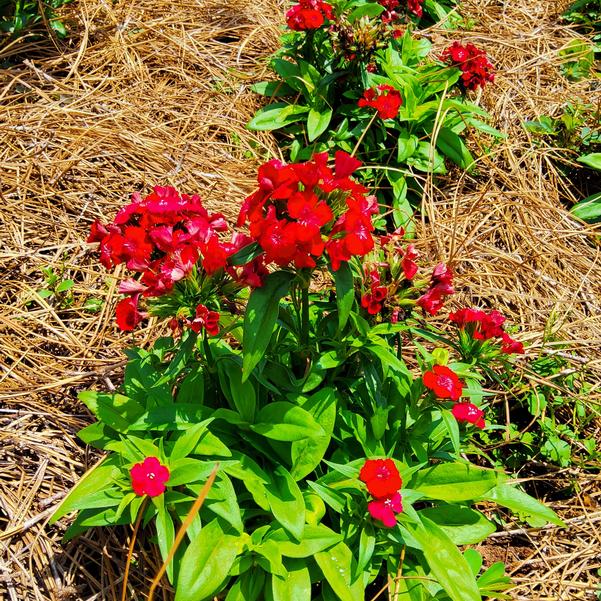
(308, 14)
(443, 382)
(441, 285)
(372, 301)
(391, 6)
(476, 67)
(383, 482)
(486, 326)
(302, 210)
(469, 413)
(149, 477)
(387, 101)
(204, 319)
(161, 236)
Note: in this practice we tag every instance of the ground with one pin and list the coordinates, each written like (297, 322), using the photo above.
(158, 92)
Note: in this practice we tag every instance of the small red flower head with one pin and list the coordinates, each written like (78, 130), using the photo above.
(469, 413)
(443, 382)
(205, 319)
(387, 101)
(381, 477)
(149, 477)
(385, 509)
(128, 316)
(510, 346)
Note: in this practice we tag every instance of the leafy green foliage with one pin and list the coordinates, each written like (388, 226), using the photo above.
(19, 16)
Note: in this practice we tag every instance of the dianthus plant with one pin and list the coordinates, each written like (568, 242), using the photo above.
(352, 75)
(303, 367)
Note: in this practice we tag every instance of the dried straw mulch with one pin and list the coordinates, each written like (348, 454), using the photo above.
(155, 93)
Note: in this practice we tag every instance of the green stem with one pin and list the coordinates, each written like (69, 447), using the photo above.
(305, 317)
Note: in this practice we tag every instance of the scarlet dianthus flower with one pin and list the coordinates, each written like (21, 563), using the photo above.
(469, 413)
(440, 287)
(443, 382)
(387, 101)
(386, 508)
(381, 477)
(127, 313)
(205, 319)
(308, 14)
(473, 62)
(149, 477)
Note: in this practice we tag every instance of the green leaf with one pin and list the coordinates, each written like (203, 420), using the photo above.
(286, 422)
(462, 525)
(295, 587)
(275, 116)
(272, 88)
(520, 502)
(307, 453)
(345, 292)
(454, 482)
(589, 209)
(261, 317)
(206, 563)
(365, 10)
(242, 391)
(450, 144)
(286, 502)
(446, 562)
(315, 539)
(65, 285)
(98, 478)
(165, 532)
(318, 122)
(337, 565)
(592, 160)
(248, 586)
(187, 441)
(115, 410)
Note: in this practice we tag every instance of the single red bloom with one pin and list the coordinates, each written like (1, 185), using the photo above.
(469, 413)
(464, 316)
(308, 14)
(381, 477)
(385, 509)
(209, 320)
(149, 477)
(408, 263)
(444, 382)
(473, 62)
(387, 102)
(128, 316)
(415, 7)
(511, 346)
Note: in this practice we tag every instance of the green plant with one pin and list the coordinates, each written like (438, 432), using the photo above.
(55, 286)
(586, 15)
(19, 16)
(322, 404)
(333, 77)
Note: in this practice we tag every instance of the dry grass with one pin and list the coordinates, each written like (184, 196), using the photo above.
(157, 92)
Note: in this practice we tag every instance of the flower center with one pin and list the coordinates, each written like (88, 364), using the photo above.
(445, 382)
(382, 473)
(150, 476)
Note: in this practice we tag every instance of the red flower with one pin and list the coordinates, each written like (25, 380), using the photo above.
(387, 103)
(128, 316)
(511, 346)
(385, 509)
(149, 477)
(469, 413)
(381, 477)
(415, 7)
(476, 68)
(308, 14)
(443, 382)
(209, 320)
(440, 287)
(408, 263)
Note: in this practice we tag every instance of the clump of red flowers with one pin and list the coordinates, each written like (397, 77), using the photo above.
(308, 14)
(149, 477)
(441, 286)
(385, 99)
(304, 210)
(204, 320)
(486, 326)
(372, 300)
(443, 382)
(473, 62)
(383, 482)
(391, 6)
(161, 237)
